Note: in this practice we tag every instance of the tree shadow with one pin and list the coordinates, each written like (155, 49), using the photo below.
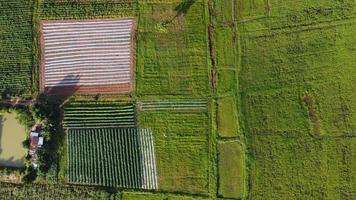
(7, 93)
(62, 89)
(49, 104)
(12, 163)
(181, 9)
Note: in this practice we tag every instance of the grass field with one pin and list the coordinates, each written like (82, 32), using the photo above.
(148, 196)
(231, 170)
(182, 149)
(228, 123)
(172, 53)
(296, 83)
(16, 48)
(173, 70)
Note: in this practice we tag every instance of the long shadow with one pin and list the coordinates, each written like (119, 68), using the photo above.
(50, 103)
(64, 91)
(181, 9)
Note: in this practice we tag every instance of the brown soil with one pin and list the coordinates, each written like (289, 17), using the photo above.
(99, 89)
(309, 101)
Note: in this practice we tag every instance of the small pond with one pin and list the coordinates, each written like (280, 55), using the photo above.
(12, 134)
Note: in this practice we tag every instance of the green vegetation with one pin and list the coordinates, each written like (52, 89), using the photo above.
(227, 117)
(12, 133)
(247, 99)
(108, 157)
(161, 196)
(231, 170)
(172, 56)
(39, 191)
(182, 149)
(141, 196)
(16, 48)
(98, 114)
(87, 9)
(296, 84)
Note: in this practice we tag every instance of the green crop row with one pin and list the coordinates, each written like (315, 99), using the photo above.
(83, 115)
(108, 157)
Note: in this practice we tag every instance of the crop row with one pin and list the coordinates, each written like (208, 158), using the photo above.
(87, 115)
(112, 157)
(173, 105)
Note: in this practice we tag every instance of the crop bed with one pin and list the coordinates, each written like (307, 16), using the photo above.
(87, 56)
(79, 115)
(112, 157)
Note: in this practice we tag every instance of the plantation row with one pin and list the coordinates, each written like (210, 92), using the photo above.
(173, 105)
(112, 157)
(99, 115)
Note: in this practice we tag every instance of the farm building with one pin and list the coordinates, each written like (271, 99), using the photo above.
(36, 141)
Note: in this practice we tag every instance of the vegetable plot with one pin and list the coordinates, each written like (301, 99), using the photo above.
(87, 56)
(112, 157)
(79, 115)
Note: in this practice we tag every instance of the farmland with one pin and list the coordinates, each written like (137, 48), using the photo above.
(16, 48)
(98, 60)
(185, 99)
(32, 192)
(296, 81)
(101, 114)
(172, 50)
(112, 157)
(231, 170)
(182, 148)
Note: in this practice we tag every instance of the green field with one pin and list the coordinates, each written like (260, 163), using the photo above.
(172, 52)
(228, 124)
(148, 196)
(12, 133)
(296, 84)
(182, 149)
(231, 170)
(16, 48)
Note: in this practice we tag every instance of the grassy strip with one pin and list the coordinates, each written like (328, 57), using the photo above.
(231, 170)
